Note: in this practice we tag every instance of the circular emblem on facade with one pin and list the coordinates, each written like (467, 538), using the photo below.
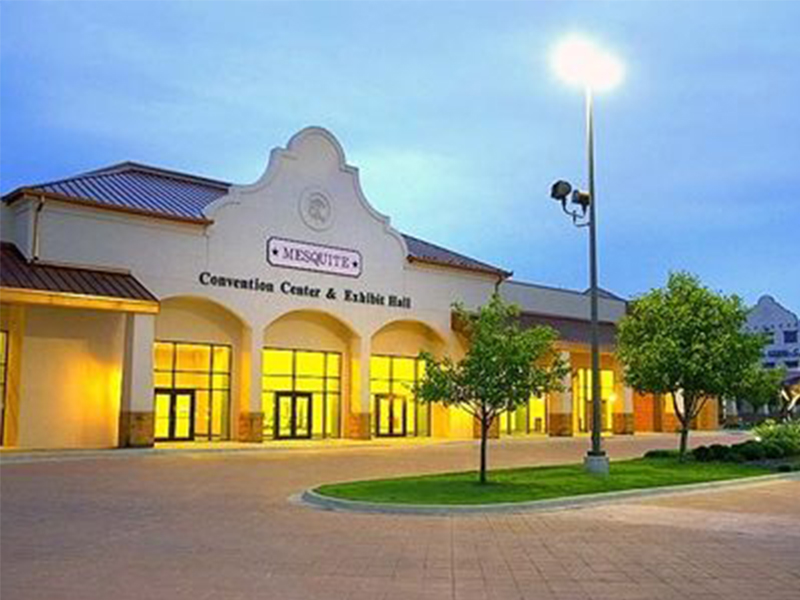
(316, 209)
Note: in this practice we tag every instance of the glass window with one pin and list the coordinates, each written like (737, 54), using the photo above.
(308, 383)
(582, 393)
(163, 356)
(193, 357)
(277, 362)
(379, 367)
(204, 369)
(790, 336)
(222, 359)
(394, 406)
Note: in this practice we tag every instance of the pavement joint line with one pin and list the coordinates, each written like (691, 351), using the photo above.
(11, 456)
(314, 500)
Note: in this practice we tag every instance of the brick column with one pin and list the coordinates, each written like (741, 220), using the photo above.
(137, 417)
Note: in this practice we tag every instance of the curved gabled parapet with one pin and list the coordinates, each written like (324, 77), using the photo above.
(322, 154)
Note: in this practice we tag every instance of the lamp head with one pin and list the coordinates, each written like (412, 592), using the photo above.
(560, 190)
(582, 199)
(579, 61)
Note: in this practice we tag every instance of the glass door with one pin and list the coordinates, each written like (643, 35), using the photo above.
(174, 415)
(391, 415)
(292, 415)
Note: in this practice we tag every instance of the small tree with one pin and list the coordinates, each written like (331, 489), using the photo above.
(686, 339)
(759, 387)
(503, 367)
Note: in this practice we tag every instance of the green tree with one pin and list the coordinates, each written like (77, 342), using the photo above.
(503, 367)
(685, 339)
(759, 386)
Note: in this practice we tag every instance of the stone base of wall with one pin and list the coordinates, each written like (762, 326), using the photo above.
(136, 429)
(623, 423)
(560, 424)
(251, 427)
(357, 426)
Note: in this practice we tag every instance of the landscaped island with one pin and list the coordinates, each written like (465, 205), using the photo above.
(537, 483)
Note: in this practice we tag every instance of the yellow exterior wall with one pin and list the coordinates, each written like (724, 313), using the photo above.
(12, 320)
(406, 338)
(71, 374)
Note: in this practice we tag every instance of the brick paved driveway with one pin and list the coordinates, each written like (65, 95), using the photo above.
(219, 526)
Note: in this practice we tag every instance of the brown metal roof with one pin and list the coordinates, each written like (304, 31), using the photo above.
(422, 251)
(571, 330)
(17, 272)
(153, 191)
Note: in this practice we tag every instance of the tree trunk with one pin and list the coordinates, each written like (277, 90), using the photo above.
(685, 417)
(484, 436)
(684, 441)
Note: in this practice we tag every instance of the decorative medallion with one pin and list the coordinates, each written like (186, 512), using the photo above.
(316, 209)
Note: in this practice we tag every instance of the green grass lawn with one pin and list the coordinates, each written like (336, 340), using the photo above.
(536, 483)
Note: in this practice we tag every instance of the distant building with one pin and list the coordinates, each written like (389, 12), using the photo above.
(781, 324)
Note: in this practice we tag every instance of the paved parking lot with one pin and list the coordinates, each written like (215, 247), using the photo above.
(218, 525)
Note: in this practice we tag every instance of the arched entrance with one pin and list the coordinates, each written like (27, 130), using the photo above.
(305, 362)
(195, 370)
(395, 370)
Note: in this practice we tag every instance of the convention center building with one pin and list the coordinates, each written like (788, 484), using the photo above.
(142, 306)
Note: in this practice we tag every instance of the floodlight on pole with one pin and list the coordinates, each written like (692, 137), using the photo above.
(580, 62)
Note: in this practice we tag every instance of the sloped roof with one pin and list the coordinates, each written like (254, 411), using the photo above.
(571, 330)
(18, 273)
(604, 293)
(153, 191)
(422, 251)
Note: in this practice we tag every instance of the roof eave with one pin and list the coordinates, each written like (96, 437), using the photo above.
(20, 193)
(441, 263)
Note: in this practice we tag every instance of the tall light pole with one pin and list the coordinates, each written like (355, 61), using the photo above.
(580, 62)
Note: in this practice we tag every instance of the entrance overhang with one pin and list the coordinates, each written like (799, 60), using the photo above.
(69, 300)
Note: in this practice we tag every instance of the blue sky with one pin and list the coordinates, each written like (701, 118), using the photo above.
(453, 116)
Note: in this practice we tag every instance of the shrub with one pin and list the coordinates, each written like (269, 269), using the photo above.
(773, 449)
(750, 450)
(702, 453)
(719, 452)
(734, 456)
(785, 434)
(661, 454)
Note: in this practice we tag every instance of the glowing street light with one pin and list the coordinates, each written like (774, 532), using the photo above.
(581, 62)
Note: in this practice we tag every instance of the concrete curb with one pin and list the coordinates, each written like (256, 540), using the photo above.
(313, 499)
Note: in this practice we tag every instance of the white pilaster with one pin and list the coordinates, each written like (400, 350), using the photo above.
(137, 418)
(359, 417)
